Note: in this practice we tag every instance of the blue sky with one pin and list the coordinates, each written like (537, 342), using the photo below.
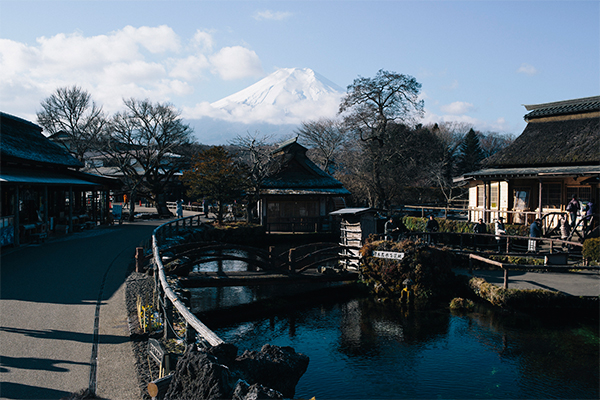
(477, 61)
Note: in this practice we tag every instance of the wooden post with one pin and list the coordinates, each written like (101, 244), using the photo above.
(505, 278)
(139, 259)
(70, 209)
(158, 387)
(168, 332)
(190, 334)
(291, 261)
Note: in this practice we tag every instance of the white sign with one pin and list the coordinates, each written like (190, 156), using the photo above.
(392, 255)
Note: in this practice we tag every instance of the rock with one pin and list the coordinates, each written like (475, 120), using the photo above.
(243, 391)
(276, 367)
(216, 373)
(200, 377)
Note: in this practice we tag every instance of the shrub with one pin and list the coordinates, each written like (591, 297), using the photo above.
(417, 224)
(429, 268)
(591, 249)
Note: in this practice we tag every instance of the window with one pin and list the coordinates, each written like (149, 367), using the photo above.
(494, 196)
(480, 196)
(551, 195)
(582, 192)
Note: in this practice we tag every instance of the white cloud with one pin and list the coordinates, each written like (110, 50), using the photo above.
(189, 68)
(271, 15)
(143, 62)
(527, 69)
(203, 40)
(457, 108)
(235, 63)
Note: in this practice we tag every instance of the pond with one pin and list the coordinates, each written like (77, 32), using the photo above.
(362, 349)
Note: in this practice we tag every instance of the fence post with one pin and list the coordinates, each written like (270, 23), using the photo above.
(505, 278)
(190, 334)
(168, 331)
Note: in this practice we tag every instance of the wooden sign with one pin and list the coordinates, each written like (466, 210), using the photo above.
(391, 255)
(156, 350)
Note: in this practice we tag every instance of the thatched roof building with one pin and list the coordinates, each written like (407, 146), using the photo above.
(557, 134)
(557, 156)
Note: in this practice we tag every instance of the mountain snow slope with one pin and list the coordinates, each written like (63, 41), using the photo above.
(287, 96)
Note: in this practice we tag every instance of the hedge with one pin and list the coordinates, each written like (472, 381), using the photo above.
(417, 224)
(591, 250)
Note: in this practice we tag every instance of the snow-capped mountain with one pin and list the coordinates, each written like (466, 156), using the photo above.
(286, 97)
(283, 88)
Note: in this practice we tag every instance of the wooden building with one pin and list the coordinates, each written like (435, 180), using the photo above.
(298, 196)
(556, 156)
(42, 189)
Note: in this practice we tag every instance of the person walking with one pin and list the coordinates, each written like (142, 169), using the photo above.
(573, 210)
(390, 229)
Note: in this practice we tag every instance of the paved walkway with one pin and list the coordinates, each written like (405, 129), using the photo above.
(48, 305)
(584, 283)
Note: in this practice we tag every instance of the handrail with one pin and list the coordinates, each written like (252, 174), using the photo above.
(191, 320)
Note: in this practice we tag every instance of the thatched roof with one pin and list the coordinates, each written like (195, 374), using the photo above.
(22, 141)
(566, 142)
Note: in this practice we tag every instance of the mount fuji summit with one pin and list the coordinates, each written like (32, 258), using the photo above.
(275, 105)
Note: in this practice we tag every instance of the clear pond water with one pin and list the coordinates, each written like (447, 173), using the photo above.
(361, 349)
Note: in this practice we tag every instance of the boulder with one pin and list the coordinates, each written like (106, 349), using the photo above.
(199, 376)
(279, 368)
(243, 391)
(216, 373)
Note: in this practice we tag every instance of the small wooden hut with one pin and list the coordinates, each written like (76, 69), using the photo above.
(298, 196)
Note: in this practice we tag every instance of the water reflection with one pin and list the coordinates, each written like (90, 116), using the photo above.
(362, 349)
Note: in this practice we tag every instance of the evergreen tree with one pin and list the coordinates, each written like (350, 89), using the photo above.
(471, 154)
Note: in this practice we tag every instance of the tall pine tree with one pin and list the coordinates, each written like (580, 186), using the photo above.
(471, 154)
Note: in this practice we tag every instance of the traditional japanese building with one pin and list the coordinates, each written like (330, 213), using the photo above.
(298, 196)
(556, 156)
(42, 189)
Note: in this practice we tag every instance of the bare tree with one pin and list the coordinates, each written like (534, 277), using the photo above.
(146, 142)
(370, 107)
(371, 104)
(493, 142)
(71, 110)
(254, 152)
(327, 137)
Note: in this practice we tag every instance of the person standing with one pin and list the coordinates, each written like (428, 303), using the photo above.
(499, 231)
(479, 228)
(179, 210)
(573, 210)
(535, 231)
(432, 226)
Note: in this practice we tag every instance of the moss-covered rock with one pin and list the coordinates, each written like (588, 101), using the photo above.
(427, 267)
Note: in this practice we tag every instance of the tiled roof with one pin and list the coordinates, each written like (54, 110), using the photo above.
(575, 106)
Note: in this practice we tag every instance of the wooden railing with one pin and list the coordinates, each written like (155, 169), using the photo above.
(504, 244)
(170, 299)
